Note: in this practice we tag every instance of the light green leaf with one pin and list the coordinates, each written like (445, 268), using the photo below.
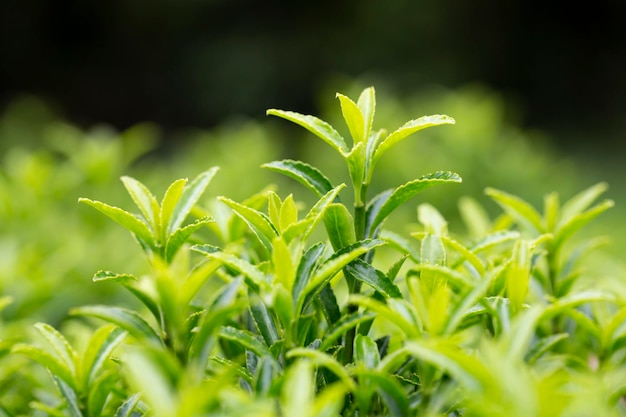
(566, 229)
(263, 319)
(54, 364)
(307, 175)
(284, 269)
(407, 129)
(242, 266)
(246, 339)
(257, 221)
(474, 217)
(305, 227)
(98, 350)
(495, 239)
(181, 235)
(394, 312)
(327, 361)
(309, 262)
(366, 352)
(432, 220)
(517, 208)
(517, 274)
(390, 390)
(316, 126)
(340, 327)
(126, 409)
(128, 320)
(125, 219)
(403, 193)
(144, 199)
(288, 213)
(353, 117)
(339, 226)
(432, 251)
(466, 369)
(114, 277)
(544, 345)
(168, 204)
(298, 390)
(190, 196)
(581, 201)
(69, 395)
(366, 273)
(367, 105)
(575, 300)
(337, 262)
(60, 345)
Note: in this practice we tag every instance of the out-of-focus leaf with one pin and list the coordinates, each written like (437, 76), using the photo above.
(518, 209)
(98, 350)
(128, 320)
(127, 407)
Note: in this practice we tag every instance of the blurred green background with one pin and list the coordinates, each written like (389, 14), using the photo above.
(92, 90)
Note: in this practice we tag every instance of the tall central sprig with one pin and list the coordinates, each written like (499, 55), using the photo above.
(368, 145)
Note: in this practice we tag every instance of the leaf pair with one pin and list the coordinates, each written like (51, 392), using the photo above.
(159, 228)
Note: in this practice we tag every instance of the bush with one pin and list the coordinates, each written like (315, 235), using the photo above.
(260, 306)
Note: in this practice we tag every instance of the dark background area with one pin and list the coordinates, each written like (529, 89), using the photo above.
(197, 62)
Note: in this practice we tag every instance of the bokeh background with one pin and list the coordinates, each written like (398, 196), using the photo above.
(92, 90)
(561, 67)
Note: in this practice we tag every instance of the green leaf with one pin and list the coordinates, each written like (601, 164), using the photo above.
(575, 300)
(246, 339)
(403, 193)
(257, 221)
(366, 273)
(581, 201)
(144, 199)
(544, 345)
(114, 277)
(340, 327)
(60, 345)
(284, 269)
(308, 263)
(466, 369)
(242, 266)
(54, 364)
(495, 239)
(517, 273)
(433, 222)
(98, 350)
(305, 227)
(432, 251)
(181, 235)
(126, 409)
(69, 396)
(190, 196)
(298, 390)
(125, 219)
(566, 229)
(305, 174)
(474, 217)
(337, 262)
(407, 129)
(517, 208)
(325, 360)
(367, 105)
(339, 226)
(328, 301)
(100, 391)
(395, 311)
(316, 126)
(353, 117)
(366, 352)
(128, 320)
(263, 319)
(169, 202)
(390, 390)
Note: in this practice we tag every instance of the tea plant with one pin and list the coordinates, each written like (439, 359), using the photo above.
(263, 318)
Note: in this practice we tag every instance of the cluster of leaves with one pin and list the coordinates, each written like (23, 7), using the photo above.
(270, 320)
